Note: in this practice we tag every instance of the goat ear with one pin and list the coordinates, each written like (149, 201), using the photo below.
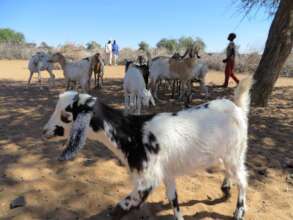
(77, 137)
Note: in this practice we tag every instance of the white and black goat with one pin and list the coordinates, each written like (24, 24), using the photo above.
(159, 147)
(142, 66)
(135, 90)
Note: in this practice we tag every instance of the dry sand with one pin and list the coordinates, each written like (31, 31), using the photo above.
(86, 187)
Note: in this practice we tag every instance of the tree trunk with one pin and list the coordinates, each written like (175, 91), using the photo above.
(278, 47)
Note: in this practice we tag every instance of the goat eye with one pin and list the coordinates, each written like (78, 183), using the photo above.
(65, 118)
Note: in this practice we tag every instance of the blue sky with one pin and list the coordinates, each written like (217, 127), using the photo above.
(130, 21)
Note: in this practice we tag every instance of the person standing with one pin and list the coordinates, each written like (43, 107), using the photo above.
(230, 60)
(115, 52)
(108, 51)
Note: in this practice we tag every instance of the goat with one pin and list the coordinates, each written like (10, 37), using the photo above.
(135, 92)
(199, 72)
(97, 67)
(174, 68)
(143, 68)
(37, 63)
(78, 71)
(162, 146)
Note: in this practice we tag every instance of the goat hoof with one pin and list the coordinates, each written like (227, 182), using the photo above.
(61, 158)
(239, 213)
(64, 157)
(118, 213)
(226, 191)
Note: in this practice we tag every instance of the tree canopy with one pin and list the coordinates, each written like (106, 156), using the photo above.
(144, 46)
(92, 45)
(168, 44)
(181, 44)
(249, 5)
(9, 35)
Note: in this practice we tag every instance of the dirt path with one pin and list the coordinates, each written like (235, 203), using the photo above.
(86, 187)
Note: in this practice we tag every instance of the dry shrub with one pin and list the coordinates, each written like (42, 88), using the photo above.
(244, 62)
(16, 51)
(132, 54)
(214, 60)
(247, 62)
(127, 54)
(73, 51)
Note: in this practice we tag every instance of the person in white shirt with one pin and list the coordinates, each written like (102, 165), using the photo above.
(108, 51)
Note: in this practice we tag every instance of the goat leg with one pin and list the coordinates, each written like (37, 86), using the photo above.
(29, 79)
(133, 201)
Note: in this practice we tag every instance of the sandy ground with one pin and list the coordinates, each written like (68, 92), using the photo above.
(89, 186)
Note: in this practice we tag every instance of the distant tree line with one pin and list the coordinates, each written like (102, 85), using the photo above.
(181, 44)
(9, 35)
(176, 45)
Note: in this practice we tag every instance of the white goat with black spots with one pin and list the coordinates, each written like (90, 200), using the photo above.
(159, 147)
(135, 92)
(40, 62)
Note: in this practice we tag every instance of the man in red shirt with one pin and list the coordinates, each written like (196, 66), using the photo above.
(230, 60)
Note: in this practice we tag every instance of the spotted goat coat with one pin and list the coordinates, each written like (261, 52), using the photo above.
(157, 148)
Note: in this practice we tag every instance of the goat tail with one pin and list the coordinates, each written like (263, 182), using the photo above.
(242, 94)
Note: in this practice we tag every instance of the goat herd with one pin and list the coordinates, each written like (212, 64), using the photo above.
(159, 147)
(79, 71)
(178, 72)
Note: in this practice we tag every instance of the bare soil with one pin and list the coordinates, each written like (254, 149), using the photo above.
(87, 187)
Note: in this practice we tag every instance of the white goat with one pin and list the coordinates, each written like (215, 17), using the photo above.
(37, 63)
(78, 71)
(160, 147)
(200, 71)
(135, 92)
(175, 68)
